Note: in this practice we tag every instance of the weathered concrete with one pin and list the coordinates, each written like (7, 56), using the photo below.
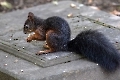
(83, 18)
(44, 60)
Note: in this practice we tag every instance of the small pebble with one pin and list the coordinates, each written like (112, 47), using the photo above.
(6, 56)
(21, 70)
(23, 47)
(11, 35)
(56, 56)
(81, 5)
(98, 19)
(16, 61)
(55, 2)
(5, 64)
(16, 39)
(93, 7)
(72, 5)
(104, 24)
(64, 71)
(70, 15)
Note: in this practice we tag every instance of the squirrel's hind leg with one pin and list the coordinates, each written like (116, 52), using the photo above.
(51, 43)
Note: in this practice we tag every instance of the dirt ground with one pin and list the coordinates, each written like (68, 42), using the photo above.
(112, 6)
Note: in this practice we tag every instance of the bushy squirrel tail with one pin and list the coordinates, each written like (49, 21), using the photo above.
(97, 48)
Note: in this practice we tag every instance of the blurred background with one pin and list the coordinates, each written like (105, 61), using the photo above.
(110, 6)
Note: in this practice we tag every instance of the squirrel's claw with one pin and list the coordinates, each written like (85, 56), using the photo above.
(29, 39)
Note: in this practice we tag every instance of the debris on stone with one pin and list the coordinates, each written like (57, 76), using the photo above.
(21, 70)
(64, 71)
(5, 64)
(23, 47)
(80, 5)
(73, 5)
(16, 39)
(85, 27)
(70, 15)
(18, 49)
(56, 56)
(16, 61)
(98, 19)
(55, 2)
(93, 7)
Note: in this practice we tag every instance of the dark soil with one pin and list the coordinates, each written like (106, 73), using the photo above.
(105, 5)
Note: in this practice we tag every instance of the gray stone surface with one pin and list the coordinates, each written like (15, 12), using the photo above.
(75, 70)
(44, 60)
(12, 38)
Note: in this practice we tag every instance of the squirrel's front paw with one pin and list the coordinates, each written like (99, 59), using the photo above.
(29, 39)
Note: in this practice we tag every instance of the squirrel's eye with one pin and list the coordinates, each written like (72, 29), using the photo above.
(26, 26)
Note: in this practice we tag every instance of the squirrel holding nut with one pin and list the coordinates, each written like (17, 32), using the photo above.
(56, 32)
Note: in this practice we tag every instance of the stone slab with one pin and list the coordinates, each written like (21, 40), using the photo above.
(75, 70)
(43, 60)
(20, 69)
(13, 43)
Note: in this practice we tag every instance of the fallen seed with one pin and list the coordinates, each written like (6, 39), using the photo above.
(72, 5)
(70, 15)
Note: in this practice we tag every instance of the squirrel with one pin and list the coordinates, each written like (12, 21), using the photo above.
(92, 44)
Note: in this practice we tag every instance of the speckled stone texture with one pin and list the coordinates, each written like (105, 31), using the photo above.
(18, 59)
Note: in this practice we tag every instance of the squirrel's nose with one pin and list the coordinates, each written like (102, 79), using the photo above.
(26, 26)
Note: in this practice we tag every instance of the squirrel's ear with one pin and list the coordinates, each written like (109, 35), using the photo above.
(30, 16)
